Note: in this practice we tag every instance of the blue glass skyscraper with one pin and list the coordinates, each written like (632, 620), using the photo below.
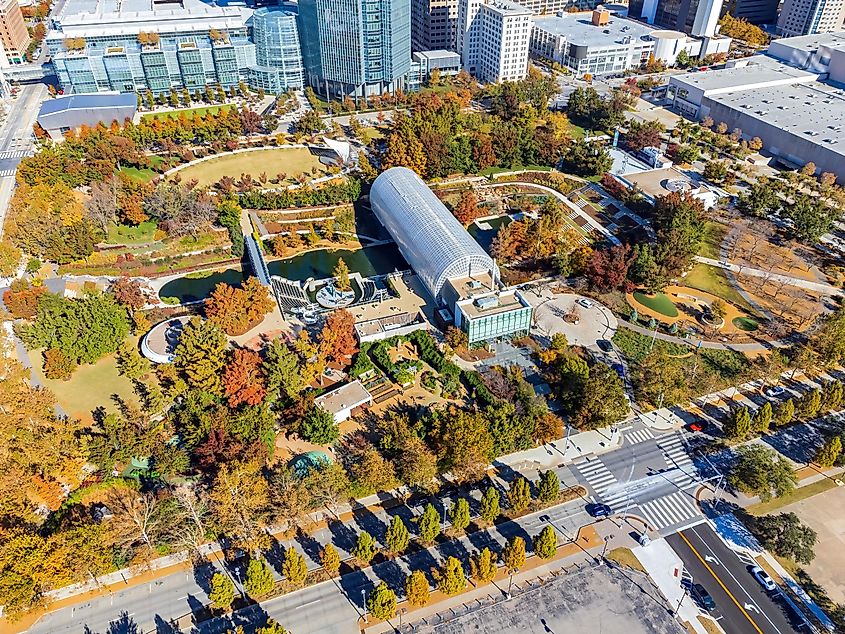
(356, 47)
(278, 55)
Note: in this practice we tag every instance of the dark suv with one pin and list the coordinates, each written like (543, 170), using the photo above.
(700, 594)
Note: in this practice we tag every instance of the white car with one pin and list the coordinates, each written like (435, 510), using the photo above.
(586, 303)
(774, 391)
(763, 578)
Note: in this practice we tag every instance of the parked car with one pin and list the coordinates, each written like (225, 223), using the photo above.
(586, 303)
(696, 425)
(604, 345)
(702, 597)
(619, 369)
(599, 510)
(763, 578)
(774, 391)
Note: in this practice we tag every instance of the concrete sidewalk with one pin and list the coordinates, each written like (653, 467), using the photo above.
(565, 450)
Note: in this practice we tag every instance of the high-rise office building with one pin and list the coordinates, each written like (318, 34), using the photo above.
(356, 47)
(493, 39)
(693, 17)
(806, 17)
(278, 55)
(134, 45)
(755, 11)
(433, 24)
(13, 33)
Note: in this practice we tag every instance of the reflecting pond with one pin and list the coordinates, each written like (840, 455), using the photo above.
(318, 264)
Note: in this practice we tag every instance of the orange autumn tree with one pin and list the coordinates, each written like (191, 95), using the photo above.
(337, 340)
(237, 310)
(243, 379)
(467, 209)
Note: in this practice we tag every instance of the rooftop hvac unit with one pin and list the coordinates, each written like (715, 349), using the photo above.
(483, 303)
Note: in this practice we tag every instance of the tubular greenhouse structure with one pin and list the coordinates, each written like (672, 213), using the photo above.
(429, 237)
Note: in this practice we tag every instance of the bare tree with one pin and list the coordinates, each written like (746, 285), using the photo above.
(138, 518)
(101, 207)
(182, 209)
(192, 530)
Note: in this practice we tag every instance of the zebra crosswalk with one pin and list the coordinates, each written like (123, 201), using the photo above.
(676, 457)
(7, 172)
(9, 154)
(638, 436)
(670, 510)
(603, 483)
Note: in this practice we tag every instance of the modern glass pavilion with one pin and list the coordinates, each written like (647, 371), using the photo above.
(429, 237)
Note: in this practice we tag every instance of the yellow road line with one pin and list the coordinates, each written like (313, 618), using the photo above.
(719, 581)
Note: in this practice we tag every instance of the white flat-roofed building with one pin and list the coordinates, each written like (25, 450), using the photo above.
(342, 402)
(572, 40)
(493, 39)
(805, 17)
(799, 118)
(133, 45)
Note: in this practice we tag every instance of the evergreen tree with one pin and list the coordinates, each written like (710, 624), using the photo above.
(810, 404)
(451, 579)
(489, 509)
(130, 363)
(382, 602)
(829, 452)
(738, 424)
(294, 568)
(831, 396)
(459, 515)
(519, 495)
(398, 536)
(201, 355)
(365, 548)
(785, 413)
(416, 589)
(545, 544)
(330, 559)
(763, 418)
(318, 426)
(513, 556)
(483, 566)
(222, 593)
(341, 276)
(429, 525)
(259, 578)
(548, 490)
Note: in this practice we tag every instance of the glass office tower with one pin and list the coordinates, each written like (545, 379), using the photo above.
(278, 56)
(356, 47)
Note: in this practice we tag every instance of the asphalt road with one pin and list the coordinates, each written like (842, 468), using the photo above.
(742, 605)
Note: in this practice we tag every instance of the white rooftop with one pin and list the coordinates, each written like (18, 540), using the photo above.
(813, 42)
(125, 17)
(347, 396)
(761, 72)
(815, 111)
(506, 7)
(578, 29)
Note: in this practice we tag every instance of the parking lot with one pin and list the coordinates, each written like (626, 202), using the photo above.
(595, 600)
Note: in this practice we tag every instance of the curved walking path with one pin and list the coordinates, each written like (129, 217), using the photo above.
(708, 345)
(818, 287)
(591, 222)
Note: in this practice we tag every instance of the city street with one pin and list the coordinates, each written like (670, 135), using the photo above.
(16, 139)
(742, 605)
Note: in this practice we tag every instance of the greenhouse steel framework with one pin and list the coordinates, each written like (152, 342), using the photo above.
(429, 237)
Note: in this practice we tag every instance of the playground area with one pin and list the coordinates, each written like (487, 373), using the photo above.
(684, 308)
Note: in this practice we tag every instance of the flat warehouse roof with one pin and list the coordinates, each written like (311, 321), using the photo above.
(815, 111)
(760, 72)
(578, 29)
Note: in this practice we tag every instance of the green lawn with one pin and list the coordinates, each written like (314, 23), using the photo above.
(801, 493)
(490, 171)
(146, 174)
(714, 233)
(91, 386)
(636, 347)
(128, 234)
(368, 134)
(174, 114)
(746, 323)
(712, 279)
(658, 302)
(291, 161)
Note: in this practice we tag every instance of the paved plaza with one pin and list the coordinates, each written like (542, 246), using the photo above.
(593, 323)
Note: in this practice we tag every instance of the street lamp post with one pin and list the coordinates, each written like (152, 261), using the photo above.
(364, 596)
(444, 514)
